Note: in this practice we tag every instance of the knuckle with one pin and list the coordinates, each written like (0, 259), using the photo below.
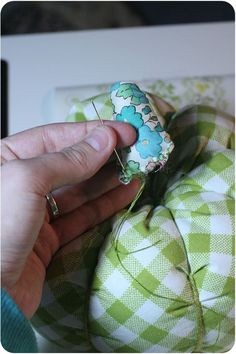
(79, 158)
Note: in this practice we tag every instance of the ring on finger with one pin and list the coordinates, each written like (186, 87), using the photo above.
(53, 205)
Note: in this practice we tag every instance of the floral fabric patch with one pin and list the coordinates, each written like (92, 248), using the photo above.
(153, 146)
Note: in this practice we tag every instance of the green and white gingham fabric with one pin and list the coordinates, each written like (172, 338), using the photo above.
(160, 278)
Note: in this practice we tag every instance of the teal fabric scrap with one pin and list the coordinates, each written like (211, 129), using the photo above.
(153, 145)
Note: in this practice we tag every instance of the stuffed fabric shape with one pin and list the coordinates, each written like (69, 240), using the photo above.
(162, 280)
(153, 146)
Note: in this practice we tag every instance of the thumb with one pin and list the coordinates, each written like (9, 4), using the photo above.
(78, 162)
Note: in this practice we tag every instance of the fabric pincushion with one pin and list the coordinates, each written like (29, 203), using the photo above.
(153, 145)
(161, 277)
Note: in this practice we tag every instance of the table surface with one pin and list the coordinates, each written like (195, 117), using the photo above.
(39, 63)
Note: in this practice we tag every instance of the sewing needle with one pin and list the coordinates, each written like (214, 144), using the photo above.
(115, 151)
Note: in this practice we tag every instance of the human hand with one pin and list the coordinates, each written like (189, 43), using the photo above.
(67, 158)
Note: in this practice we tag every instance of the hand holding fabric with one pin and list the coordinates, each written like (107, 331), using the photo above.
(67, 158)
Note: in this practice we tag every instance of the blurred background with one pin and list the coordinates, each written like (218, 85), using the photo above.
(19, 17)
(45, 77)
(59, 72)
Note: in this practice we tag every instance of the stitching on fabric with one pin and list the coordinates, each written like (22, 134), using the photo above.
(196, 300)
(199, 314)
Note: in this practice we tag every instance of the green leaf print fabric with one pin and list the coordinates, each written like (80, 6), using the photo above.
(160, 278)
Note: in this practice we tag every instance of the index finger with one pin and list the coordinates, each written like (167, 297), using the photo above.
(55, 137)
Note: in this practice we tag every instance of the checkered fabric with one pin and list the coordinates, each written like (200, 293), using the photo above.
(163, 278)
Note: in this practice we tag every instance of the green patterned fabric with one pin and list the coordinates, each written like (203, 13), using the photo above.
(161, 277)
(153, 146)
(215, 91)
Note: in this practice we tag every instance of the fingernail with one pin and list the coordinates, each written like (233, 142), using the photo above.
(98, 139)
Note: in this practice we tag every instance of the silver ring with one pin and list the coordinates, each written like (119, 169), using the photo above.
(53, 205)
